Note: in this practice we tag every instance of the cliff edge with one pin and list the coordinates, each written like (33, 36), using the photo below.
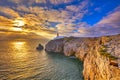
(101, 55)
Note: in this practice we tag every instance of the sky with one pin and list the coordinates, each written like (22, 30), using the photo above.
(43, 18)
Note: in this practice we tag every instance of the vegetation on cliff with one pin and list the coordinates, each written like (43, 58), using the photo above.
(103, 51)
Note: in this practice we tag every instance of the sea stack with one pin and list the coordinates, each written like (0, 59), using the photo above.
(40, 47)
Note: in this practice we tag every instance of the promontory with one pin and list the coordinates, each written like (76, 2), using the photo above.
(101, 55)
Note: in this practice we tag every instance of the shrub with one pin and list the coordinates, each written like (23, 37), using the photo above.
(103, 51)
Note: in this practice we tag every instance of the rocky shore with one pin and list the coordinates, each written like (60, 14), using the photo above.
(101, 55)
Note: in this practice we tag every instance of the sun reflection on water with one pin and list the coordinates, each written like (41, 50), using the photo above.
(18, 45)
(19, 49)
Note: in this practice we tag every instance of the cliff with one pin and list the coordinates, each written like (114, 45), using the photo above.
(101, 56)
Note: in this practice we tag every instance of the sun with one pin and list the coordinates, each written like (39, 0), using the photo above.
(19, 22)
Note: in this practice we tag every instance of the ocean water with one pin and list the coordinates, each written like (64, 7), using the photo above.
(19, 60)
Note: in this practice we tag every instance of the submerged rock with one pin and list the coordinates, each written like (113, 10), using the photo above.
(40, 47)
(100, 55)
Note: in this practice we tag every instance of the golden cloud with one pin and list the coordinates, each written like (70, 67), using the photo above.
(9, 12)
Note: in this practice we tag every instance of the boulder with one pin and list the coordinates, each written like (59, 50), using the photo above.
(40, 47)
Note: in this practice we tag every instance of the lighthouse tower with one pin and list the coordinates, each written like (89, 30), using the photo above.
(57, 34)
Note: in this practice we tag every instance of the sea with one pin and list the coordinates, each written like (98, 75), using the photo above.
(19, 60)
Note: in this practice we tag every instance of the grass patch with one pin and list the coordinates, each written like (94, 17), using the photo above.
(109, 39)
(67, 39)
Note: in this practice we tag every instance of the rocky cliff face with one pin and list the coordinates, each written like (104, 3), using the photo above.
(101, 56)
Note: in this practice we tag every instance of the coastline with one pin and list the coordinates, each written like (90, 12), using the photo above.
(100, 55)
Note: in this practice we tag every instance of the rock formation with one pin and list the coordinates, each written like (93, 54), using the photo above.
(101, 56)
(40, 47)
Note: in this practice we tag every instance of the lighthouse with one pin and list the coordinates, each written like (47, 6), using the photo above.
(57, 34)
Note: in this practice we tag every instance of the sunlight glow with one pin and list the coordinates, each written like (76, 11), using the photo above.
(19, 22)
(16, 29)
(19, 44)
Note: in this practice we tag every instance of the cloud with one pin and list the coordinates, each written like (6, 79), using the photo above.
(19, 2)
(78, 8)
(109, 25)
(42, 17)
(15, 1)
(17, 35)
(5, 21)
(39, 17)
(56, 2)
(8, 12)
(112, 19)
(43, 13)
(65, 28)
(41, 1)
